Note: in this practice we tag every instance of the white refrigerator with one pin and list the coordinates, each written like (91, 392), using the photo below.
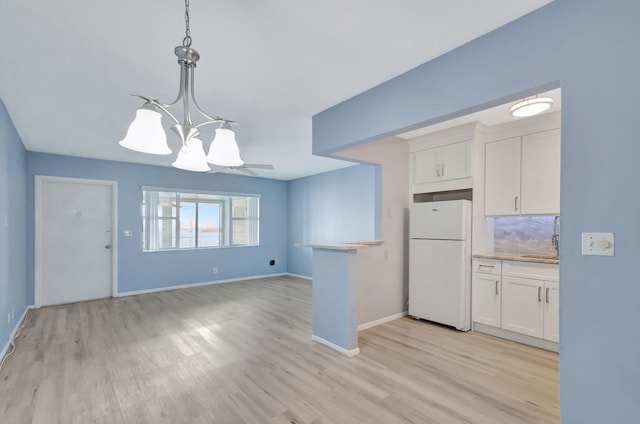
(440, 262)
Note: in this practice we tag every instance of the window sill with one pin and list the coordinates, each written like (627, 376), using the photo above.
(200, 248)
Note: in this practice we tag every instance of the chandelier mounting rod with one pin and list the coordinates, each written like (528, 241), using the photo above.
(147, 135)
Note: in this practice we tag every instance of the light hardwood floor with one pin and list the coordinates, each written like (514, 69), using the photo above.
(241, 353)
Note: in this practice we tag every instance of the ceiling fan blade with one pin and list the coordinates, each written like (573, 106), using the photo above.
(247, 171)
(257, 166)
(215, 169)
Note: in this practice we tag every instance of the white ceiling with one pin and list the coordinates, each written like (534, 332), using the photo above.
(489, 117)
(67, 67)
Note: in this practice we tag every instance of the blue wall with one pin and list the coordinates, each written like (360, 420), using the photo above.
(13, 226)
(590, 48)
(142, 271)
(335, 206)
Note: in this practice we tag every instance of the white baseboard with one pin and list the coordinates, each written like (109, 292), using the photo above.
(204, 283)
(382, 320)
(516, 337)
(304, 277)
(347, 352)
(15, 330)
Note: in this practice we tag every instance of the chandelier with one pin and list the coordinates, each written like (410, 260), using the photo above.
(147, 135)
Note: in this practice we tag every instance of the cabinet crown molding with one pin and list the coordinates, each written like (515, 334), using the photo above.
(444, 137)
(521, 127)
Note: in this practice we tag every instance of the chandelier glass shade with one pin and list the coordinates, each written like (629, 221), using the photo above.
(224, 149)
(531, 107)
(147, 135)
(191, 157)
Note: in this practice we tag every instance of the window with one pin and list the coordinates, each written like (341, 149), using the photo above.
(177, 220)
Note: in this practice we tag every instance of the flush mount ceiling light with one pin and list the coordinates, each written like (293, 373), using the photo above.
(146, 134)
(531, 107)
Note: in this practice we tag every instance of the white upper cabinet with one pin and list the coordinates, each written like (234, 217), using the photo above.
(522, 175)
(456, 160)
(442, 163)
(426, 168)
(541, 173)
(444, 160)
(502, 177)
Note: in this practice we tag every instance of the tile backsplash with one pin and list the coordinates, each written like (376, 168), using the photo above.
(526, 235)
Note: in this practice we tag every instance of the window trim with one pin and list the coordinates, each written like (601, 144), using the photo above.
(195, 191)
(227, 235)
(249, 219)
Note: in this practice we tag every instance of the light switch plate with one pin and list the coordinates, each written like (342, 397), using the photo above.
(600, 244)
(128, 233)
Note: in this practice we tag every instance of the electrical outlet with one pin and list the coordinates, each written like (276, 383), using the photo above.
(215, 269)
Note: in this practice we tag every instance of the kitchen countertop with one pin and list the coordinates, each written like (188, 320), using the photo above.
(350, 245)
(512, 257)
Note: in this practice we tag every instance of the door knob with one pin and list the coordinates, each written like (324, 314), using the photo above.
(108, 246)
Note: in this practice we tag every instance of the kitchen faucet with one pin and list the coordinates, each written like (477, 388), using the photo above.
(555, 241)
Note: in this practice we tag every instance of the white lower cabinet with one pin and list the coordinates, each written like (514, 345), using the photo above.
(519, 297)
(552, 311)
(522, 306)
(485, 297)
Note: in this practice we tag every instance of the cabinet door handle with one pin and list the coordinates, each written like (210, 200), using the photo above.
(539, 294)
(486, 266)
(515, 203)
(546, 295)
(442, 168)
(437, 170)
(497, 287)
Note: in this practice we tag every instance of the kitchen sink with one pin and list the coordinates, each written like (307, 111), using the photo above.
(540, 256)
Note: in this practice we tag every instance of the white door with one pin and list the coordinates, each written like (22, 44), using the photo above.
(438, 282)
(74, 247)
(522, 309)
(486, 298)
(502, 178)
